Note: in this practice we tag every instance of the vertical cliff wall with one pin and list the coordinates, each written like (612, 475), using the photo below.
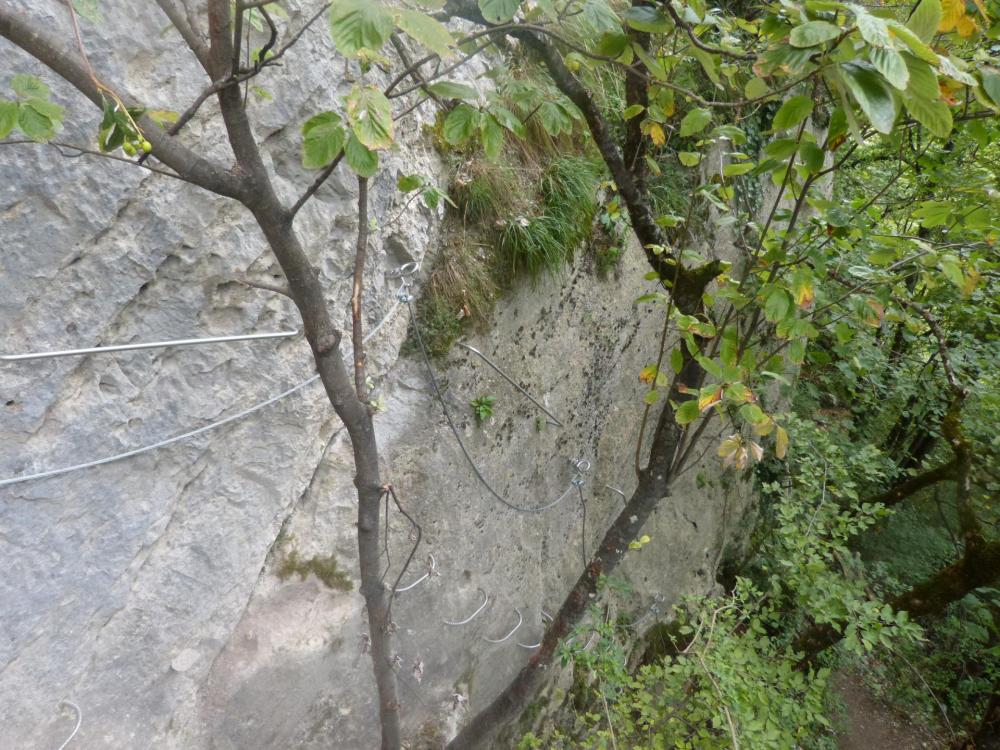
(203, 595)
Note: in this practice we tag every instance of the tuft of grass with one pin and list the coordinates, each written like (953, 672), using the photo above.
(485, 191)
(324, 568)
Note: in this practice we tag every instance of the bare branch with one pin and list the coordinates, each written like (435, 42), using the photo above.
(357, 320)
(186, 29)
(317, 184)
(83, 151)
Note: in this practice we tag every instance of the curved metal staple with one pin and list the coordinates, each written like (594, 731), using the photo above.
(201, 430)
(461, 443)
(470, 618)
(529, 647)
(147, 345)
(79, 722)
(546, 616)
(510, 380)
(615, 489)
(520, 620)
(422, 578)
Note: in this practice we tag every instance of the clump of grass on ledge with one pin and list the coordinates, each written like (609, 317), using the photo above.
(324, 568)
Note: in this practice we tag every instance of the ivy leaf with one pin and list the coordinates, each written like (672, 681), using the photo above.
(359, 24)
(813, 33)
(453, 90)
(695, 121)
(925, 19)
(792, 112)
(433, 34)
(891, 65)
(360, 158)
(461, 124)
(645, 18)
(8, 118)
(687, 412)
(323, 138)
(934, 115)
(873, 95)
(29, 87)
(498, 11)
(370, 115)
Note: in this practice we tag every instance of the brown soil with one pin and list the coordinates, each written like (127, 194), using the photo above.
(869, 724)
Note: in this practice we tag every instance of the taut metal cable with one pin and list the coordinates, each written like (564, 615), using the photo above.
(580, 465)
(147, 345)
(401, 272)
(79, 721)
(510, 380)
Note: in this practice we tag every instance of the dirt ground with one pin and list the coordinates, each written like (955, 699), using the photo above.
(869, 724)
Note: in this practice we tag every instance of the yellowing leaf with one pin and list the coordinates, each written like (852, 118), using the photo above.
(657, 135)
(708, 399)
(757, 451)
(971, 280)
(954, 18)
(648, 374)
(729, 446)
(781, 443)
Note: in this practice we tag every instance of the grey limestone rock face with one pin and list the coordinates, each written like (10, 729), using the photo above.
(162, 593)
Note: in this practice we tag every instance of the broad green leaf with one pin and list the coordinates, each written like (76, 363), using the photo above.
(491, 132)
(433, 34)
(453, 90)
(934, 115)
(792, 112)
(991, 84)
(913, 42)
(554, 118)
(370, 116)
(652, 396)
(407, 183)
(612, 44)
(322, 139)
(676, 359)
(734, 170)
(461, 124)
(813, 33)
(50, 110)
(873, 94)
(777, 305)
(689, 158)
(8, 118)
(890, 64)
(359, 24)
(952, 270)
(923, 80)
(925, 19)
(498, 11)
(812, 156)
(687, 412)
(646, 18)
(797, 352)
(695, 121)
(29, 87)
(756, 88)
(630, 112)
(35, 125)
(509, 120)
(781, 148)
(873, 29)
(360, 158)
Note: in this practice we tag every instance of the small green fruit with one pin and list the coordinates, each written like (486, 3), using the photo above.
(147, 147)
(128, 148)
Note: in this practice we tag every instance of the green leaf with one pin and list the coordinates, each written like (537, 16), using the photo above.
(873, 29)
(911, 40)
(797, 352)
(29, 87)
(498, 11)
(891, 65)
(492, 134)
(88, 9)
(676, 359)
(407, 183)
(645, 18)
(687, 412)
(695, 121)
(813, 33)
(873, 94)
(756, 88)
(952, 271)
(35, 125)
(461, 124)
(925, 19)
(733, 170)
(359, 24)
(360, 158)
(322, 139)
(792, 112)
(991, 84)
(923, 79)
(778, 305)
(453, 90)
(812, 157)
(934, 115)
(49, 109)
(370, 116)
(689, 158)
(509, 120)
(630, 112)
(651, 397)
(433, 34)
(8, 118)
